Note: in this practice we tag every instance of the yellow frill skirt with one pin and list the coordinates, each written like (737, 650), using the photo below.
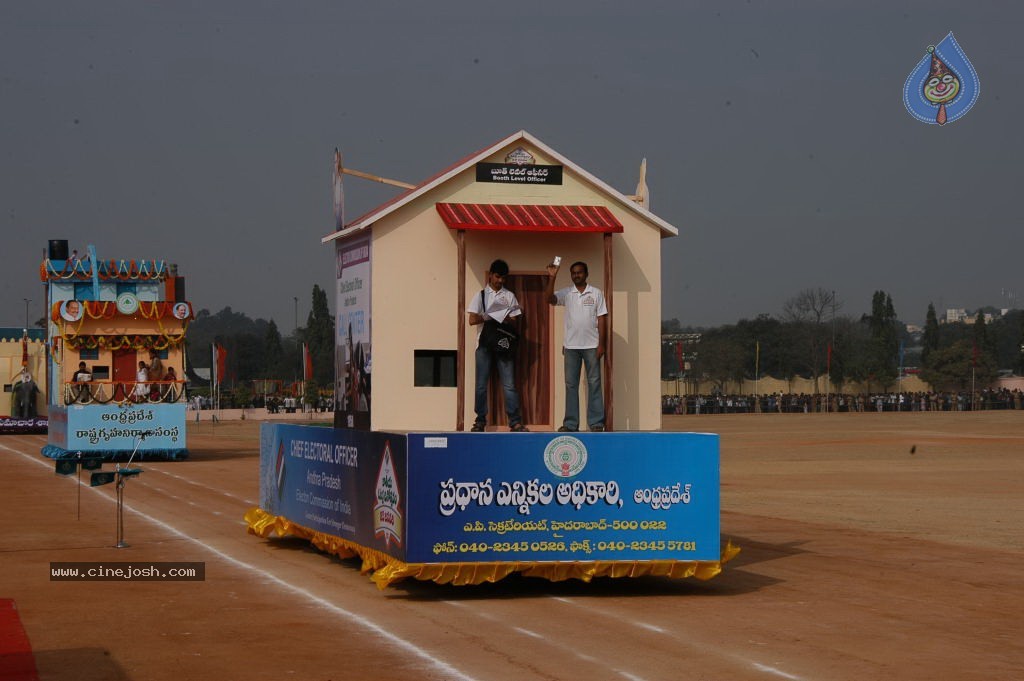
(386, 570)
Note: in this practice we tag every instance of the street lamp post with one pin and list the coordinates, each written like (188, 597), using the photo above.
(27, 301)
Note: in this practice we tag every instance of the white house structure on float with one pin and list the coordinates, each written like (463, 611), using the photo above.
(407, 270)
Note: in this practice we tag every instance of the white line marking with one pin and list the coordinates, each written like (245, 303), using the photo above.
(772, 670)
(649, 627)
(631, 677)
(527, 632)
(707, 650)
(444, 668)
(206, 487)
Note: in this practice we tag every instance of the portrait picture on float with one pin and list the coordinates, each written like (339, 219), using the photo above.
(71, 310)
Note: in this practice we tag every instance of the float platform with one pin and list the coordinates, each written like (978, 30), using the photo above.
(467, 508)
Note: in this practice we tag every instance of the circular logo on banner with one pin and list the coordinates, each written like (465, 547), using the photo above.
(127, 303)
(565, 456)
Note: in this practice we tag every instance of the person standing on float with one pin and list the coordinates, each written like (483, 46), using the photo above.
(586, 326)
(495, 302)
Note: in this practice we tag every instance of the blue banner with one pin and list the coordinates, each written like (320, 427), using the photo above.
(551, 497)
(113, 427)
(345, 483)
(491, 497)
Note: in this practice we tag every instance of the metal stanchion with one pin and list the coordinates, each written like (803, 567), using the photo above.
(122, 475)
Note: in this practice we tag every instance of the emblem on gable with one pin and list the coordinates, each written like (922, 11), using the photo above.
(520, 157)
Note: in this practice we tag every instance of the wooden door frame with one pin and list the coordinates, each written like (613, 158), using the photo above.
(460, 400)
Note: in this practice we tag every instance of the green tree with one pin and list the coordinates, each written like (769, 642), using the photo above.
(984, 342)
(720, 358)
(243, 396)
(1006, 333)
(671, 326)
(851, 356)
(778, 356)
(311, 393)
(319, 336)
(1020, 346)
(954, 368)
(273, 353)
(930, 341)
(884, 340)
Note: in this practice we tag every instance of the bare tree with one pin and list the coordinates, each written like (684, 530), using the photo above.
(810, 312)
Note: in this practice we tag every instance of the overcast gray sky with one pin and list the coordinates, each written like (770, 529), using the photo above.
(777, 142)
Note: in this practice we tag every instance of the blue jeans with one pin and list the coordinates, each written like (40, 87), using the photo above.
(506, 371)
(595, 398)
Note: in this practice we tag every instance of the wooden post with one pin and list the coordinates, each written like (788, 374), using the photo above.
(460, 363)
(376, 178)
(608, 345)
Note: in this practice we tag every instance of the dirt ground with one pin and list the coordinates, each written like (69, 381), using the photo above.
(874, 546)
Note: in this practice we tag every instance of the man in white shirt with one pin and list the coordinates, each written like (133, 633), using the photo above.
(586, 321)
(498, 303)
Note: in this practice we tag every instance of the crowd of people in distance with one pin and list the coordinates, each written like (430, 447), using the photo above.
(272, 403)
(793, 403)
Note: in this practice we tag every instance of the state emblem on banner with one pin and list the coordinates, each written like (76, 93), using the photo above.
(565, 456)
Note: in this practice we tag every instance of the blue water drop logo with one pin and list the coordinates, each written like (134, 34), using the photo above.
(943, 86)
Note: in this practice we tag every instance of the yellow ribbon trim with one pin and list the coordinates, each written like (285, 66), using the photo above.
(388, 570)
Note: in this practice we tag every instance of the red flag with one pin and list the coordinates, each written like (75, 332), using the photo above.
(830, 357)
(222, 359)
(307, 363)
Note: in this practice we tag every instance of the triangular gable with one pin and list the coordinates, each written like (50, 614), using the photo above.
(440, 178)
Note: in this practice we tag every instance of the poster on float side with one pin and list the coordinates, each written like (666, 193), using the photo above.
(353, 352)
(466, 497)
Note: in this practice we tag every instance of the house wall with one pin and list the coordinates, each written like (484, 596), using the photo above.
(415, 297)
(413, 301)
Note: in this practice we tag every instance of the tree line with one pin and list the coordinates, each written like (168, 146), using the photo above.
(811, 338)
(256, 350)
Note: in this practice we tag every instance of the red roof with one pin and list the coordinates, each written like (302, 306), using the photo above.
(528, 218)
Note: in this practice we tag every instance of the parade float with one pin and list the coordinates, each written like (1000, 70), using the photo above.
(398, 482)
(116, 357)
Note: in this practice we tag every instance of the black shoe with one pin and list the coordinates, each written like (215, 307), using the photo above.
(477, 428)
(563, 429)
(597, 429)
(518, 428)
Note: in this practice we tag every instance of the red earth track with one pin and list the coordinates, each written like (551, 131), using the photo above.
(861, 560)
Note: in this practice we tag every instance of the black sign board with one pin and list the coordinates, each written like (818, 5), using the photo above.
(101, 478)
(66, 467)
(511, 173)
